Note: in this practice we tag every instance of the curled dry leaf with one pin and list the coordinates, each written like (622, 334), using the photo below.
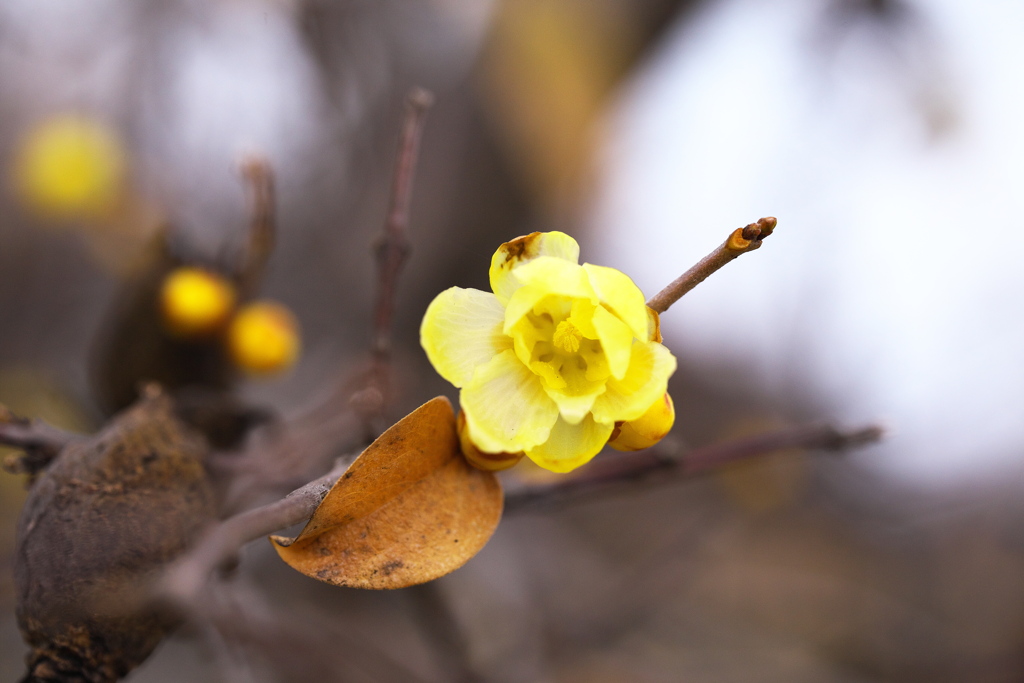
(409, 510)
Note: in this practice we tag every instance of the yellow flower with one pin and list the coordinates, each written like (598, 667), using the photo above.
(263, 338)
(71, 167)
(195, 302)
(552, 360)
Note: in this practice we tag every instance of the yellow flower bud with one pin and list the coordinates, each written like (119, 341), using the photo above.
(491, 462)
(196, 302)
(264, 338)
(70, 167)
(646, 430)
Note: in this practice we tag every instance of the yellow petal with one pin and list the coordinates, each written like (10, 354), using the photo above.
(576, 392)
(582, 314)
(527, 334)
(573, 408)
(461, 331)
(570, 446)
(616, 340)
(522, 302)
(545, 277)
(650, 366)
(616, 291)
(506, 407)
(521, 250)
(597, 362)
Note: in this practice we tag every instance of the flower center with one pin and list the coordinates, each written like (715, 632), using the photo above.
(567, 337)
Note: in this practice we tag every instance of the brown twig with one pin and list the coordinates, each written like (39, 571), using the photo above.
(740, 241)
(262, 231)
(652, 466)
(393, 247)
(40, 442)
(392, 251)
(220, 545)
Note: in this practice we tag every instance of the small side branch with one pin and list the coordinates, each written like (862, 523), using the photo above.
(262, 229)
(39, 442)
(220, 545)
(740, 241)
(650, 466)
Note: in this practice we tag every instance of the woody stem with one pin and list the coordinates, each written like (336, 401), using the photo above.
(740, 241)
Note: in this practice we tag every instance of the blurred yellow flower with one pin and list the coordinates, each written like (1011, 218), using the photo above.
(195, 302)
(554, 359)
(70, 167)
(263, 338)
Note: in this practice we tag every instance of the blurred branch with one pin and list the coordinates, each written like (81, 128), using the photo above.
(295, 643)
(262, 230)
(356, 403)
(40, 442)
(186, 581)
(440, 626)
(741, 241)
(653, 466)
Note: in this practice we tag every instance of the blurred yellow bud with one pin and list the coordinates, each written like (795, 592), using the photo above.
(196, 302)
(491, 462)
(69, 166)
(646, 430)
(264, 338)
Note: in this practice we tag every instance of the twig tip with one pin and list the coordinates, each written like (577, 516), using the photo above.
(420, 98)
(253, 164)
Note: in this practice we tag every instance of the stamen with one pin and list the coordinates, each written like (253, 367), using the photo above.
(567, 337)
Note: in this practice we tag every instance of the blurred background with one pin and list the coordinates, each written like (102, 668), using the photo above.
(885, 135)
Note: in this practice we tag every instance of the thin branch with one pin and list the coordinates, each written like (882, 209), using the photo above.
(650, 466)
(393, 248)
(441, 628)
(392, 251)
(291, 640)
(220, 545)
(232, 667)
(40, 442)
(262, 229)
(740, 241)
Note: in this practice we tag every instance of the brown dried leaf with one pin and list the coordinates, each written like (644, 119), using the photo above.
(409, 510)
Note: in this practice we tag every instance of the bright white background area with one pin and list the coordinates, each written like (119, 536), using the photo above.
(894, 162)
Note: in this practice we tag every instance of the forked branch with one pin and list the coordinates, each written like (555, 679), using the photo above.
(39, 442)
